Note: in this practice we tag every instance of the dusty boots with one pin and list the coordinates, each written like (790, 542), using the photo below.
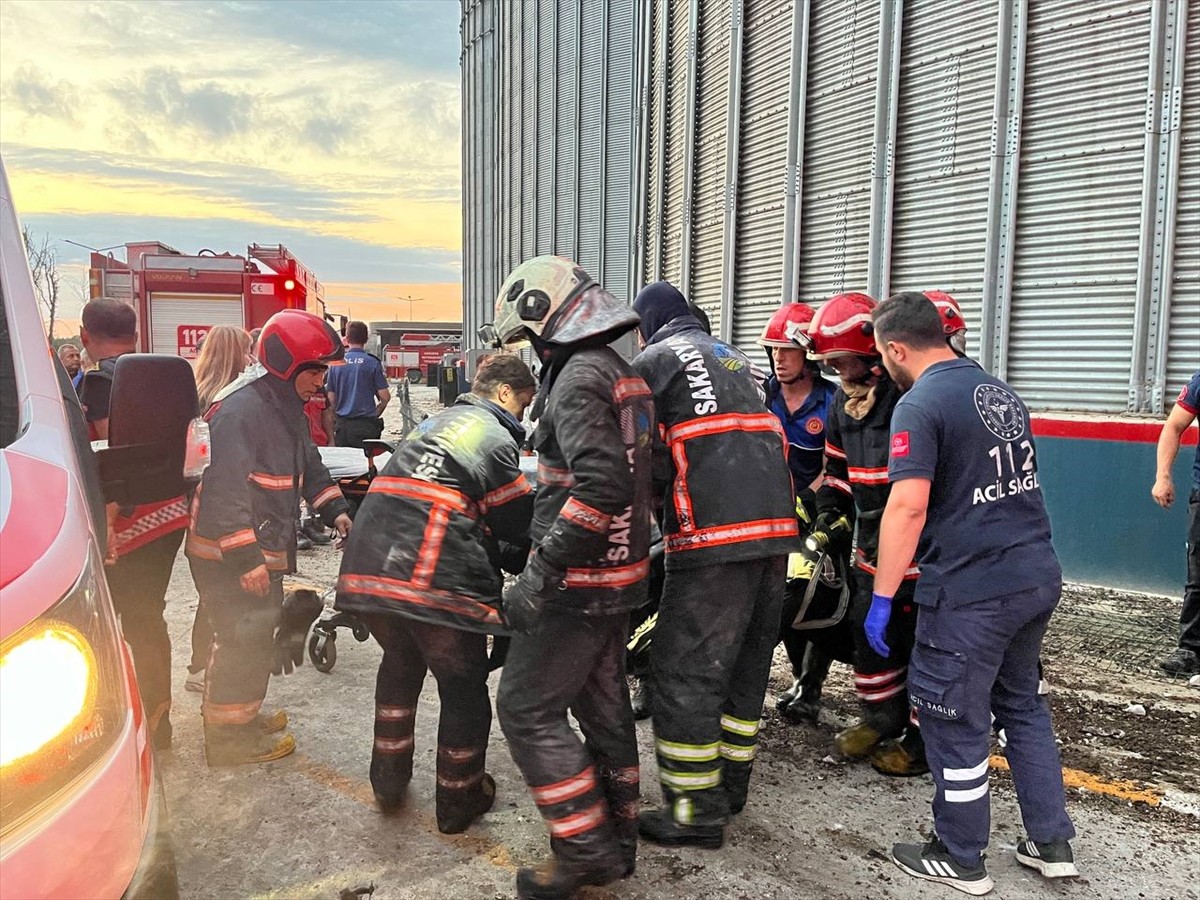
(658, 826)
(390, 775)
(456, 811)
(857, 741)
(233, 745)
(901, 757)
(559, 878)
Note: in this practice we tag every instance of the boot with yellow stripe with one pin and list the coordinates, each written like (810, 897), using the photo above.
(234, 745)
(902, 757)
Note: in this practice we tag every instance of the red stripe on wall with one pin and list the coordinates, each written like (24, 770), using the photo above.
(1106, 430)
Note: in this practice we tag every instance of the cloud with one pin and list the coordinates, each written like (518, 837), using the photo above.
(215, 112)
(36, 94)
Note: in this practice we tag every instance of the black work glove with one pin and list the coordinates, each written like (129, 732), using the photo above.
(523, 602)
(301, 606)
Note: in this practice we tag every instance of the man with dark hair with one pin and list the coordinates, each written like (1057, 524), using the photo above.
(423, 569)
(68, 355)
(357, 392)
(965, 496)
(146, 537)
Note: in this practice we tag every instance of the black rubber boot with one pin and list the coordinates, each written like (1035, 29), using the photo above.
(457, 817)
(659, 827)
(594, 861)
(390, 775)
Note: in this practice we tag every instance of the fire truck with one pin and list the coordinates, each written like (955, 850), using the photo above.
(179, 297)
(408, 352)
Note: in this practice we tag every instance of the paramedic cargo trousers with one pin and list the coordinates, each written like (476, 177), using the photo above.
(972, 660)
(710, 662)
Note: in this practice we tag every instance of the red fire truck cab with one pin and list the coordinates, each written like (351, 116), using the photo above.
(179, 297)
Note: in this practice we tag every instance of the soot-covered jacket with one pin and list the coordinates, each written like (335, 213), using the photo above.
(263, 461)
(856, 469)
(722, 460)
(592, 512)
(424, 543)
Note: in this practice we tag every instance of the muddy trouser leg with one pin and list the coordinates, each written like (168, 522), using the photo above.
(703, 621)
(138, 585)
(880, 681)
(795, 642)
(397, 687)
(243, 648)
(606, 720)
(1189, 619)
(546, 673)
(459, 662)
(202, 635)
(969, 660)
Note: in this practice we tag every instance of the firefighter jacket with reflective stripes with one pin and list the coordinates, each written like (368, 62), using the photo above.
(424, 544)
(591, 515)
(263, 461)
(856, 466)
(721, 457)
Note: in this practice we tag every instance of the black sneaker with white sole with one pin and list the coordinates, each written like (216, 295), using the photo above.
(1053, 859)
(933, 862)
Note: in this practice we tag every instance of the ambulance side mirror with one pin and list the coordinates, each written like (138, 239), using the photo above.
(151, 407)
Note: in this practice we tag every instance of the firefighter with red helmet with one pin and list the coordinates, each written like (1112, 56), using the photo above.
(953, 324)
(243, 537)
(570, 606)
(857, 442)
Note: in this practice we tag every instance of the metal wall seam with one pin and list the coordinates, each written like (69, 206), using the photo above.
(677, 141)
(797, 104)
(664, 54)
(566, 111)
(601, 271)
(556, 48)
(1181, 320)
(887, 79)
(591, 149)
(620, 99)
(641, 172)
(576, 209)
(1150, 373)
(689, 151)
(545, 70)
(999, 242)
(732, 140)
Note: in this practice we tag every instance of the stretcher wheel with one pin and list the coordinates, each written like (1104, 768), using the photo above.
(322, 650)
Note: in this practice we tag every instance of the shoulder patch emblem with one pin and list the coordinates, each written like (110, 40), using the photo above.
(900, 443)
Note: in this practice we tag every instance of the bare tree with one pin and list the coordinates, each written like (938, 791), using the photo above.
(43, 265)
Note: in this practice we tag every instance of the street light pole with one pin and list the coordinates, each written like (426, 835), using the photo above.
(411, 300)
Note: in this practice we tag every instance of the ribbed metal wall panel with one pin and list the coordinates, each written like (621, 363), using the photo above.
(546, 110)
(762, 167)
(1079, 200)
(619, 111)
(939, 218)
(1183, 339)
(529, 129)
(836, 188)
(566, 210)
(654, 164)
(591, 146)
(479, 153)
(677, 143)
(708, 203)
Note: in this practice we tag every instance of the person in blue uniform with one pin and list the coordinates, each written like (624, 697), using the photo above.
(1184, 659)
(357, 392)
(966, 495)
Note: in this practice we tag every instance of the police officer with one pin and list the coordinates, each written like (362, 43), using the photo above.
(357, 392)
(243, 536)
(800, 398)
(855, 486)
(728, 524)
(423, 569)
(591, 537)
(965, 488)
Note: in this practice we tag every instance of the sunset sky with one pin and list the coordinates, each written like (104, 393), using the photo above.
(332, 128)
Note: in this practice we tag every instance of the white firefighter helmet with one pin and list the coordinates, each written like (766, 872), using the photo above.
(552, 298)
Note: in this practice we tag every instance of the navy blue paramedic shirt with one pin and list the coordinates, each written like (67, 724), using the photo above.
(1189, 399)
(986, 532)
(356, 384)
(805, 429)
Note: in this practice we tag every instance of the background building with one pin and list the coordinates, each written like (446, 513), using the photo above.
(1039, 160)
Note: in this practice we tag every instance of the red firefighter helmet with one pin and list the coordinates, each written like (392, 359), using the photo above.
(294, 339)
(949, 310)
(789, 320)
(842, 327)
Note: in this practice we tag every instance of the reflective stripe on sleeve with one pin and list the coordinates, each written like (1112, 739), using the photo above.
(579, 513)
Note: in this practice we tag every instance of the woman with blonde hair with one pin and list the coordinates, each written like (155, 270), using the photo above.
(223, 357)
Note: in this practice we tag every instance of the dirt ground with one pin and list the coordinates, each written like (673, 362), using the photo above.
(306, 826)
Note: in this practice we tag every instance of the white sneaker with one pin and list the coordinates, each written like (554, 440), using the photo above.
(195, 682)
